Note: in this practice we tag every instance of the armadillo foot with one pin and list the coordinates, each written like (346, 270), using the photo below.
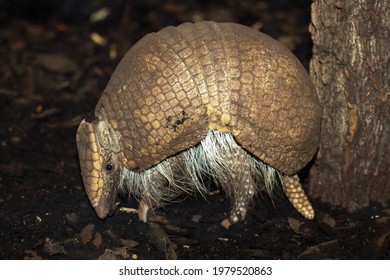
(143, 209)
(296, 195)
(235, 216)
(226, 223)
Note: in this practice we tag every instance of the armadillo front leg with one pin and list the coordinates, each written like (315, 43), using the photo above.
(143, 210)
(157, 185)
(296, 195)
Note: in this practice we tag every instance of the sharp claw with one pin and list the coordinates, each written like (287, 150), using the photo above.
(226, 223)
(143, 209)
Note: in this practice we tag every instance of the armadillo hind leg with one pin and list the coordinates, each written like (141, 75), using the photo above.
(231, 168)
(238, 184)
(296, 195)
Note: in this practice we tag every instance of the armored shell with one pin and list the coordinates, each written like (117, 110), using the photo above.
(174, 85)
(219, 99)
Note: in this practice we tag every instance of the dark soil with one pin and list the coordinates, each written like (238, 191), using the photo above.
(55, 59)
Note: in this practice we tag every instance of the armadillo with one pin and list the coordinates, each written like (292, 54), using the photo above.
(205, 99)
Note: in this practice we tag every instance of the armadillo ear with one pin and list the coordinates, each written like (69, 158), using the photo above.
(107, 137)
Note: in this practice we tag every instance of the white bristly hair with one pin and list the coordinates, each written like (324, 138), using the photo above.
(219, 157)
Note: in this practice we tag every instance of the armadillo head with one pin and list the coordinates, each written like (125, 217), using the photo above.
(99, 153)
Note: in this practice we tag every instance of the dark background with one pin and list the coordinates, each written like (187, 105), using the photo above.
(55, 59)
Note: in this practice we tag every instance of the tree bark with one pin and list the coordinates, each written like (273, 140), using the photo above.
(350, 69)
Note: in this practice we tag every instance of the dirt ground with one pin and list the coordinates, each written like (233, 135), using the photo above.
(55, 59)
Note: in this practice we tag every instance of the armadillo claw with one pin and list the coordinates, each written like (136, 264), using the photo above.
(226, 223)
(143, 209)
(296, 195)
(236, 214)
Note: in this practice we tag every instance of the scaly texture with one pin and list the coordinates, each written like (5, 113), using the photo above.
(175, 85)
(221, 100)
(296, 195)
(91, 164)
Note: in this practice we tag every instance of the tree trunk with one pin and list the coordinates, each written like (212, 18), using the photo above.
(350, 69)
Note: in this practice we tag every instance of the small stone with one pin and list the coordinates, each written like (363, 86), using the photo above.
(86, 233)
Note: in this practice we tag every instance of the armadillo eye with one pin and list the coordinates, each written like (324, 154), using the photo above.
(110, 167)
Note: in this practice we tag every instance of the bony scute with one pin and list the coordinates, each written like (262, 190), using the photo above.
(243, 95)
